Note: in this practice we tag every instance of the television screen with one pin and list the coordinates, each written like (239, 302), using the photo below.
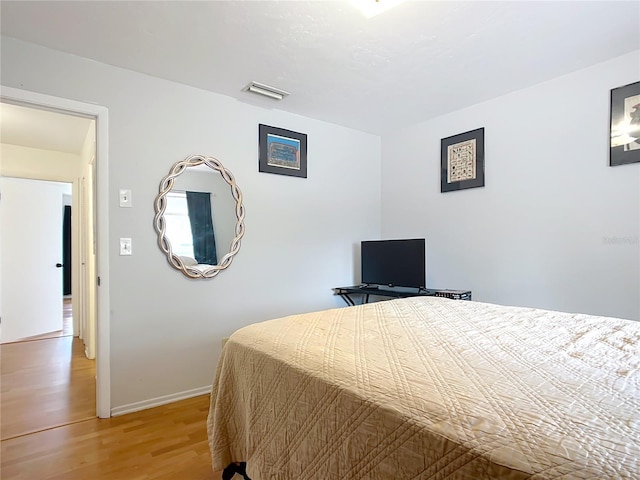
(397, 263)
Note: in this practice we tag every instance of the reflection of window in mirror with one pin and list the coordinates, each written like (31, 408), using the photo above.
(178, 224)
(187, 208)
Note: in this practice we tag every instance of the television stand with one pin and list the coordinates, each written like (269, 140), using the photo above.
(380, 291)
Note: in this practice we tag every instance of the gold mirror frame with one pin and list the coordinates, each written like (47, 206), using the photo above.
(161, 205)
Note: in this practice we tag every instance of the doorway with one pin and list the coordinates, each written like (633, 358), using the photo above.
(47, 378)
(98, 280)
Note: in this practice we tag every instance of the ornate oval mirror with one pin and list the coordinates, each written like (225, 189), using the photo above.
(195, 218)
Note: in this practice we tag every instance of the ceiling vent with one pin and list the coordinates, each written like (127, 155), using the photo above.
(265, 90)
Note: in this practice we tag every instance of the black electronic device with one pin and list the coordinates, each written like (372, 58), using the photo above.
(394, 263)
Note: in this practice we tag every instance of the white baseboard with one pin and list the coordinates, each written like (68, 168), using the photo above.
(156, 402)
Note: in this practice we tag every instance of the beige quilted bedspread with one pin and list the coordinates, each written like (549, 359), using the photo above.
(430, 388)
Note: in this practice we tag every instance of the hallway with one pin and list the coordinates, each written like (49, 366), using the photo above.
(46, 381)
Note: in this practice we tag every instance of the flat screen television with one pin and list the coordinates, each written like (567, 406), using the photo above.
(394, 263)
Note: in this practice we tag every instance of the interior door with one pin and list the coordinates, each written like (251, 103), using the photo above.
(31, 250)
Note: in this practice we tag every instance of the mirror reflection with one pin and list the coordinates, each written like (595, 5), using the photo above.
(199, 217)
(190, 230)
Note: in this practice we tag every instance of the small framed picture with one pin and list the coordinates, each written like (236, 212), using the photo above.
(462, 161)
(282, 151)
(625, 125)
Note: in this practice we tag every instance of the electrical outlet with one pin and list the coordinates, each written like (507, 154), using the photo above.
(125, 246)
(125, 198)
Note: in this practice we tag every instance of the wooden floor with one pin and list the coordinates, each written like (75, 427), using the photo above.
(49, 430)
(45, 383)
(167, 442)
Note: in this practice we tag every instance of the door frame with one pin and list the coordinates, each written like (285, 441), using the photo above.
(100, 114)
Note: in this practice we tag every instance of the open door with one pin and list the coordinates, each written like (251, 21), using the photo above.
(31, 213)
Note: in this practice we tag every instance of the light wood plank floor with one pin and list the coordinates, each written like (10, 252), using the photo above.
(167, 442)
(45, 383)
(49, 430)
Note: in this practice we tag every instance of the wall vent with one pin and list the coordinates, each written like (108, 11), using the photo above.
(265, 90)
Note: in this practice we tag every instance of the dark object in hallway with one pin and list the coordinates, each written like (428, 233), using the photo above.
(66, 251)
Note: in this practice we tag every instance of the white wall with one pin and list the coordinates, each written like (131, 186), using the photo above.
(166, 329)
(555, 227)
(85, 320)
(38, 164)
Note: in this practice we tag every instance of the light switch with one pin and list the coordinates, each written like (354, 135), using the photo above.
(125, 198)
(125, 246)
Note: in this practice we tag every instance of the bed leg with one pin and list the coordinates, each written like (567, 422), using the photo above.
(239, 468)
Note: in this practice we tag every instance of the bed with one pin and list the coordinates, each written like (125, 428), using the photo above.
(429, 388)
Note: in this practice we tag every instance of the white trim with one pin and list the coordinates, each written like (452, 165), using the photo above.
(103, 371)
(156, 402)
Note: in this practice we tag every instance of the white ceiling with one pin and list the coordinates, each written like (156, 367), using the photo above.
(43, 129)
(416, 61)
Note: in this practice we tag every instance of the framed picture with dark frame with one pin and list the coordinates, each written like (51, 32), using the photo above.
(625, 125)
(462, 161)
(282, 151)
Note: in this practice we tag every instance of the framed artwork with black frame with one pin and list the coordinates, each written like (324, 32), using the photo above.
(625, 125)
(462, 161)
(282, 151)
